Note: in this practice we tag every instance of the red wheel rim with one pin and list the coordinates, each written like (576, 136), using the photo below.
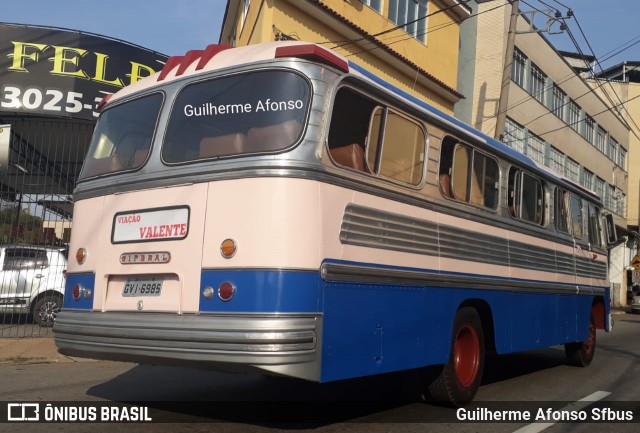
(589, 345)
(466, 355)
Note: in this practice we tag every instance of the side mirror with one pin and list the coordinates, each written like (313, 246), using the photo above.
(610, 229)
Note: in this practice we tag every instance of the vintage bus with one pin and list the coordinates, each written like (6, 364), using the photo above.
(279, 209)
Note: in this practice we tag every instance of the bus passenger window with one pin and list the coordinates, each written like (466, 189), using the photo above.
(595, 234)
(271, 137)
(398, 153)
(460, 173)
(468, 175)
(485, 179)
(562, 210)
(248, 113)
(525, 197)
(576, 217)
(351, 156)
(349, 128)
(228, 144)
(122, 140)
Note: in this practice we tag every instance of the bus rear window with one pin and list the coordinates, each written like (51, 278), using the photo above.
(122, 138)
(250, 113)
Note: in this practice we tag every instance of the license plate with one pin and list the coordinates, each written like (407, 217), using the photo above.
(142, 287)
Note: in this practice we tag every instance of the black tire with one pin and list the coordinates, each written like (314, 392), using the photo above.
(46, 308)
(460, 378)
(582, 353)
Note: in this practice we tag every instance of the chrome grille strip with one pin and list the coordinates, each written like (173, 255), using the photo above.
(373, 228)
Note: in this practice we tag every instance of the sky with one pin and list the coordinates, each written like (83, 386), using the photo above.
(173, 27)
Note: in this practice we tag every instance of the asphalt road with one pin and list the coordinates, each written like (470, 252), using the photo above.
(195, 400)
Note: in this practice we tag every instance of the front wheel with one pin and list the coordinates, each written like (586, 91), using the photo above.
(460, 378)
(581, 354)
(46, 309)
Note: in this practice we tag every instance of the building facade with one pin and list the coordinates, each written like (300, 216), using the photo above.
(625, 78)
(395, 39)
(553, 114)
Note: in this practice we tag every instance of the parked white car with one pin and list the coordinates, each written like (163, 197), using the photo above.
(32, 281)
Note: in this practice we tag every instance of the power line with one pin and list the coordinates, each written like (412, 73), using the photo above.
(632, 42)
(610, 85)
(600, 83)
(594, 115)
(570, 76)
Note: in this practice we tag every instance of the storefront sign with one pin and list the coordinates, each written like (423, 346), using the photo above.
(64, 73)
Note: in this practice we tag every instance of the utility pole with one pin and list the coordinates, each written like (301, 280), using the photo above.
(501, 115)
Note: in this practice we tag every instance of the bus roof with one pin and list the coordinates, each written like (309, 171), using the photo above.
(215, 57)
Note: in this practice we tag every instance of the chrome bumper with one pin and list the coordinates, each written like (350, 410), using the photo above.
(281, 344)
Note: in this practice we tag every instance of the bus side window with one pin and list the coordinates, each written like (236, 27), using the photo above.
(595, 232)
(526, 196)
(446, 166)
(396, 146)
(561, 208)
(468, 175)
(576, 217)
(349, 128)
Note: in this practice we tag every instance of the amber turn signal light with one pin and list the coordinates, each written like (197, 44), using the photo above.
(228, 248)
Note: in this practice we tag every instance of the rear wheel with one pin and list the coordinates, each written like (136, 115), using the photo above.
(46, 309)
(460, 378)
(581, 354)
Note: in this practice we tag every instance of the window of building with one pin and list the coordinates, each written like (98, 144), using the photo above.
(537, 83)
(518, 67)
(468, 175)
(556, 160)
(587, 179)
(245, 10)
(376, 5)
(622, 158)
(572, 170)
(514, 135)
(589, 126)
(573, 115)
(525, 199)
(535, 148)
(601, 139)
(411, 15)
(557, 101)
(599, 188)
(612, 149)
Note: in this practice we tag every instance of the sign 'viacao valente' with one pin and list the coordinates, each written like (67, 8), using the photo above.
(162, 224)
(64, 73)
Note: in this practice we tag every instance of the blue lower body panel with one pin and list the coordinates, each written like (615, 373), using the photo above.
(378, 328)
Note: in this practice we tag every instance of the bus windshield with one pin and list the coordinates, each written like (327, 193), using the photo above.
(247, 113)
(122, 138)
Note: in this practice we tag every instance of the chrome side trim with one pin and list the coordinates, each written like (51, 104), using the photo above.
(338, 272)
(373, 228)
(286, 344)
